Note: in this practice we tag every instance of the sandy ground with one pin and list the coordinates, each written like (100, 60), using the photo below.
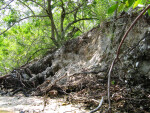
(36, 105)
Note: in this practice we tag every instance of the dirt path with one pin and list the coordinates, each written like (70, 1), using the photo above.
(35, 105)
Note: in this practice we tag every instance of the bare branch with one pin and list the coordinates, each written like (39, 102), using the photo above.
(44, 3)
(74, 9)
(41, 49)
(38, 4)
(5, 76)
(27, 7)
(21, 20)
(7, 5)
(53, 27)
(63, 14)
(99, 106)
(75, 21)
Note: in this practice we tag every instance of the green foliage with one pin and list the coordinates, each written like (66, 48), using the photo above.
(113, 82)
(101, 8)
(20, 43)
(11, 18)
(125, 5)
(112, 8)
(129, 3)
(136, 3)
(148, 11)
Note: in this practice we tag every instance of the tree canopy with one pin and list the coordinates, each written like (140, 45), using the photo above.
(28, 28)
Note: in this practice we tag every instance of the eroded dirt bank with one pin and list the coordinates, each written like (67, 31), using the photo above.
(79, 69)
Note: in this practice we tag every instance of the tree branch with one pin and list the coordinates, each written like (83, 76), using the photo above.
(53, 27)
(7, 5)
(21, 20)
(2, 77)
(99, 106)
(27, 7)
(74, 9)
(62, 19)
(38, 4)
(29, 58)
(75, 21)
(44, 3)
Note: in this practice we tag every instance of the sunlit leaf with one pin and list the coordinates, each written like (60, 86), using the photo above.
(113, 82)
(130, 2)
(143, 2)
(112, 8)
(148, 12)
(1, 58)
(124, 1)
(136, 3)
(121, 7)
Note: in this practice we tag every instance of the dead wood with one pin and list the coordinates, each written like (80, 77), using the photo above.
(2, 77)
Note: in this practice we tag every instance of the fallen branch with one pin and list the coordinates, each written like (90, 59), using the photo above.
(98, 107)
(48, 88)
(5, 76)
(118, 53)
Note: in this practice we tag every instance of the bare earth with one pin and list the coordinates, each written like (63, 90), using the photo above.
(36, 105)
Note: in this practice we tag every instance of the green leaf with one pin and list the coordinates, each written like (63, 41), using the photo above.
(148, 12)
(1, 58)
(113, 82)
(5, 34)
(124, 1)
(130, 2)
(121, 7)
(112, 8)
(5, 51)
(143, 2)
(136, 3)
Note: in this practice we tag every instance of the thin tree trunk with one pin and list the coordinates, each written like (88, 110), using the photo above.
(53, 27)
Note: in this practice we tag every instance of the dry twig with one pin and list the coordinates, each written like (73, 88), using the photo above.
(98, 107)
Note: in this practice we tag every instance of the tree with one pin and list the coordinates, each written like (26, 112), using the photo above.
(62, 15)
(28, 28)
